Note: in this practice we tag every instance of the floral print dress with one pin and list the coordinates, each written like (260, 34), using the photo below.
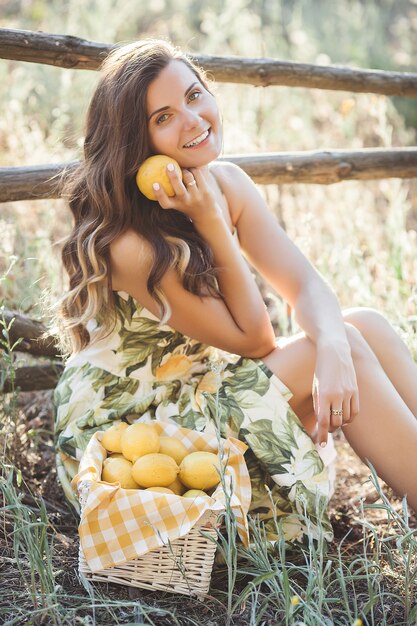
(143, 368)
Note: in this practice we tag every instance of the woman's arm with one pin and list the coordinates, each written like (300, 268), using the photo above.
(237, 285)
(238, 322)
(270, 251)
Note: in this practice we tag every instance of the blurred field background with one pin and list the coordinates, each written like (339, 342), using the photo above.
(360, 235)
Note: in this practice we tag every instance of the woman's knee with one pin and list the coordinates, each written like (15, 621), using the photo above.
(365, 319)
(360, 349)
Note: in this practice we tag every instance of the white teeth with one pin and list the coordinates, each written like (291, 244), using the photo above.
(198, 140)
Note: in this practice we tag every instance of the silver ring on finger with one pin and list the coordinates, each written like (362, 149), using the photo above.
(191, 183)
(336, 417)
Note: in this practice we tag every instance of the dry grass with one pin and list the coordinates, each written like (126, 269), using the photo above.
(362, 573)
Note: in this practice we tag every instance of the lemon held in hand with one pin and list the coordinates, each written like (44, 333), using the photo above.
(154, 170)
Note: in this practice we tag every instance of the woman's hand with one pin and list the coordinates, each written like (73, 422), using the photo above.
(335, 390)
(193, 195)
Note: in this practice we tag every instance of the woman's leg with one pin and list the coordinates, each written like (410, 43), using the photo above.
(384, 431)
(390, 351)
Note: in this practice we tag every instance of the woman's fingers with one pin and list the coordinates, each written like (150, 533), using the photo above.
(192, 180)
(336, 418)
(199, 178)
(192, 194)
(177, 184)
(354, 406)
(333, 413)
(191, 184)
(342, 413)
(323, 420)
(161, 196)
(346, 410)
(315, 399)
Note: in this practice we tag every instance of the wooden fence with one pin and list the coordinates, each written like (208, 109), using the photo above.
(323, 167)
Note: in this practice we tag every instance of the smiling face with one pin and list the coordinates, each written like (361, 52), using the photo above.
(183, 117)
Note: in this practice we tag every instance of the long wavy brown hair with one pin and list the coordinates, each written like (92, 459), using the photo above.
(105, 200)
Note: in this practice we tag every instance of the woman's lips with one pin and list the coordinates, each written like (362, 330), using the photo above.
(202, 143)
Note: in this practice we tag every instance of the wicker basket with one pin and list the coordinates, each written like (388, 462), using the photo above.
(183, 566)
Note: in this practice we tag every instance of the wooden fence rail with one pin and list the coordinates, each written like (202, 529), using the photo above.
(34, 341)
(325, 167)
(75, 53)
(35, 377)
(33, 335)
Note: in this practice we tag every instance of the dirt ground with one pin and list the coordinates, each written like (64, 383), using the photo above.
(37, 463)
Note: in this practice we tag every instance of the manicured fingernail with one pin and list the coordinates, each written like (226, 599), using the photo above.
(170, 167)
(323, 444)
(156, 186)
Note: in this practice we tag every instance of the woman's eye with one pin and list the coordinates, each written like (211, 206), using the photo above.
(162, 118)
(194, 93)
(193, 96)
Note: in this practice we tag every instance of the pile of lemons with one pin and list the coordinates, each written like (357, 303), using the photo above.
(139, 458)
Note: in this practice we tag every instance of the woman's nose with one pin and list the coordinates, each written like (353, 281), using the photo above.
(191, 118)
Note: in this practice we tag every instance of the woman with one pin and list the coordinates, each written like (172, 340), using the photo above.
(163, 311)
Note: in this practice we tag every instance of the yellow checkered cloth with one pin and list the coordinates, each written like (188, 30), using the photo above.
(118, 525)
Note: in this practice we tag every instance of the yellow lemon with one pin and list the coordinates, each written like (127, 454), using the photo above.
(111, 437)
(194, 493)
(155, 470)
(160, 490)
(153, 170)
(116, 455)
(173, 447)
(177, 487)
(119, 470)
(139, 439)
(198, 470)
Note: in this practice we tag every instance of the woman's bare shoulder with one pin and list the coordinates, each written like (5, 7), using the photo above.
(131, 257)
(227, 172)
(231, 177)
